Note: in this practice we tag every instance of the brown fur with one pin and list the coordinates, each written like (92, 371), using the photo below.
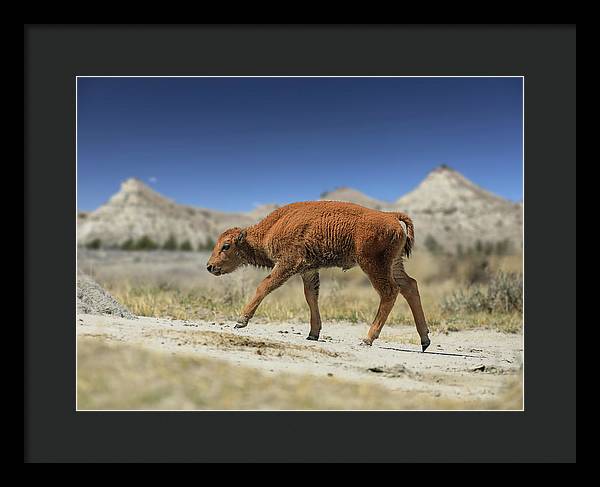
(301, 238)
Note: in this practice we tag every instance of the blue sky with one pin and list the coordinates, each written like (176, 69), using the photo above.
(233, 143)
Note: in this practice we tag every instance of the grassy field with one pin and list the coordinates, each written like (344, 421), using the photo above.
(120, 376)
(458, 293)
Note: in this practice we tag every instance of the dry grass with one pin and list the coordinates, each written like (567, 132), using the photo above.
(119, 376)
(354, 304)
(184, 290)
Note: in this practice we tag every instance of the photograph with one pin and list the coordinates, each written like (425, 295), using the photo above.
(300, 243)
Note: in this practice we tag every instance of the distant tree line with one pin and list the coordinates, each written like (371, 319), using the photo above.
(146, 243)
(480, 248)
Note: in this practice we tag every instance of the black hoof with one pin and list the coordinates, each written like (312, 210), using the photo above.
(242, 323)
(365, 343)
(425, 345)
(314, 339)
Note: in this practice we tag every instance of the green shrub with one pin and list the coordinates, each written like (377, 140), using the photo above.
(501, 247)
(503, 294)
(186, 246)
(170, 243)
(145, 243)
(94, 244)
(432, 245)
(127, 245)
(477, 270)
(479, 247)
(504, 247)
(488, 248)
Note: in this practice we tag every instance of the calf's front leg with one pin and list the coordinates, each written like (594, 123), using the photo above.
(276, 278)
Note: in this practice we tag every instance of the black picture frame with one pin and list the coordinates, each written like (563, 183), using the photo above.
(544, 54)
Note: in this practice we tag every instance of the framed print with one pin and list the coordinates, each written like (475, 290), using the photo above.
(273, 242)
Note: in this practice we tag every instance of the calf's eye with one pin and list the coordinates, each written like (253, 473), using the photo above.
(225, 247)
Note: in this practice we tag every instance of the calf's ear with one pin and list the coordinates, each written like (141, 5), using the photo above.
(240, 238)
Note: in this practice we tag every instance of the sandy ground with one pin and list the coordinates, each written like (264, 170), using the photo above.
(464, 365)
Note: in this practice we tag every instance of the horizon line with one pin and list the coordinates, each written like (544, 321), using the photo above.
(150, 186)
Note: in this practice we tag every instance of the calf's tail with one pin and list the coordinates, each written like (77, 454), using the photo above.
(410, 232)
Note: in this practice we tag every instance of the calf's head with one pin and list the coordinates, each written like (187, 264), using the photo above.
(226, 256)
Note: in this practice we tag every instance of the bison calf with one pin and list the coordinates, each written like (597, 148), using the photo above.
(301, 238)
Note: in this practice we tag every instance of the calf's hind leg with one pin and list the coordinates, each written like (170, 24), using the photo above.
(311, 293)
(387, 289)
(410, 291)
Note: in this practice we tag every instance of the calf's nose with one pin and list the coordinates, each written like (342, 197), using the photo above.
(209, 268)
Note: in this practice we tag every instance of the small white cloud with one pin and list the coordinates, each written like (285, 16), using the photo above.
(153, 179)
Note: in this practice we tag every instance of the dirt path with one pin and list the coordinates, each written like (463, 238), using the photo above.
(466, 365)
